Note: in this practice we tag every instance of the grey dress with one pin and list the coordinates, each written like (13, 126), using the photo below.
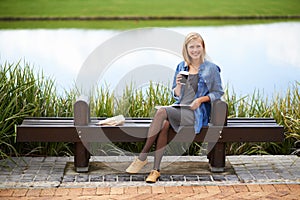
(179, 117)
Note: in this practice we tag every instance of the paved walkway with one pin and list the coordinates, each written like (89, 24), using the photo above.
(245, 177)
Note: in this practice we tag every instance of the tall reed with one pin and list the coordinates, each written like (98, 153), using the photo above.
(284, 108)
(140, 102)
(23, 94)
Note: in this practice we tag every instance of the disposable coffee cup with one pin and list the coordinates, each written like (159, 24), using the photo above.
(184, 75)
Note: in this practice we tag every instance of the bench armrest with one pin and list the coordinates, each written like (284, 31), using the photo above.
(219, 112)
(82, 111)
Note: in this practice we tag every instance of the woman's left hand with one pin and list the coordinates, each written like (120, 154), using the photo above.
(198, 101)
(195, 104)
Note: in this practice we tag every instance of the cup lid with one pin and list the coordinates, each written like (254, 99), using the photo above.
(184, 72)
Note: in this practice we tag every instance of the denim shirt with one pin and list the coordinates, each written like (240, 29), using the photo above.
(209, 84)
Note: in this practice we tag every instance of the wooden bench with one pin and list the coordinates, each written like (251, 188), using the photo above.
(82, 130)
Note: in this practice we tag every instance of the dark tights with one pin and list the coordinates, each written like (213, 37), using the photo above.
(158, 132)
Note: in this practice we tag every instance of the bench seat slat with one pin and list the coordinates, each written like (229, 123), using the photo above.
(137, 120)
(45, 125)
(46, 134)
(71, 122)
(229, 134)
(138, 132)
(253, 125)
(54, 121)
(62, 129)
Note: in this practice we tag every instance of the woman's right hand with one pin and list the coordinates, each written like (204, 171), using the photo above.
(178, 80)
(177, 89)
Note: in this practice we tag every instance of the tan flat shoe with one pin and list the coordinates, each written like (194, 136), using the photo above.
(153, 176)
(136, 166)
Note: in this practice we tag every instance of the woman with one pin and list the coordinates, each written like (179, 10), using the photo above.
(203, 87)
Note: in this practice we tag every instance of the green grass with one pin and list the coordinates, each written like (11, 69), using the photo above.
(71, 8)
(124, 25)
(150, 8)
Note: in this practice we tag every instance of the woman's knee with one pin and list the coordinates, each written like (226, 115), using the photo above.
(161, 113)
(166, 126)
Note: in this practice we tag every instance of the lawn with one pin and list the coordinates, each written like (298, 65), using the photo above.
(92, 8)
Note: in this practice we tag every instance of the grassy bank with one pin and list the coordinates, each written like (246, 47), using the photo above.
(24, 93)
(124, 25)
(148, 8)
(78, 8)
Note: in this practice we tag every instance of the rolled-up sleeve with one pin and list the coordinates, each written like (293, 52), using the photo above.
(215, 86)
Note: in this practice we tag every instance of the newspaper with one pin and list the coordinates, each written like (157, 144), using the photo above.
(112, 121)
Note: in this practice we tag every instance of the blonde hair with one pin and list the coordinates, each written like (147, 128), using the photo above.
(188, 39)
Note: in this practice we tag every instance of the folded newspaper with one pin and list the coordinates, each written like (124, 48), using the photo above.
(112, 121)
(175, 106)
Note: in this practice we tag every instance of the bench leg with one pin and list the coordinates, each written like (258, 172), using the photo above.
(210, 147)
(217, 157)
(81, 159)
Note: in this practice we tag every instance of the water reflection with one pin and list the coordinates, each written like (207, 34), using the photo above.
(264, 57)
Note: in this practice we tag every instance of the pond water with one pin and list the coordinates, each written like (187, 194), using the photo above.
(252, 57)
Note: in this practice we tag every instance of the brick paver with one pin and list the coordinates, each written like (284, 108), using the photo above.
(61, 192)
(20, 192)
(89, 191)
(144, 190)
(268, 188)
(159, 190)
(213, 189)
(117, 190)
(254, 188)
(130, 190)
(244, 191)
(251, 177)
(34, 192)
(240, 188)
(172, 190)
(48, 192)
(75, 191)
(103, 191)
(199, 189)
(6, 192)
